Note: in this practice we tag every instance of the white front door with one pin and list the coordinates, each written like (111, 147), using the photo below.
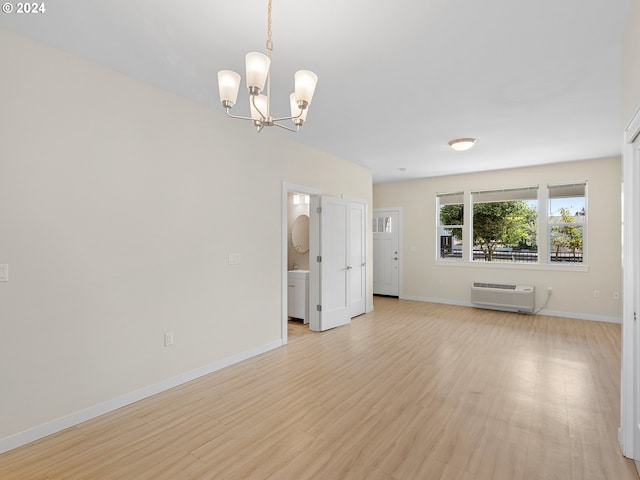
(357, 258)
(333, 265)
(386, 253)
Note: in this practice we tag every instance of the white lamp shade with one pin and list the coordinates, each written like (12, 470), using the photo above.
(261, 103)
(228, 85)
(295, 109)
(257, 69)
(305, 85)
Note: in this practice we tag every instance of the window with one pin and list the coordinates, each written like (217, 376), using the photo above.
(451, 221)
(505, 225)
(382, 225)
(567, 222)
(502, 225)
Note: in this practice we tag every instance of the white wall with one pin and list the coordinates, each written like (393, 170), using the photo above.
(426, 279)
(119, 205)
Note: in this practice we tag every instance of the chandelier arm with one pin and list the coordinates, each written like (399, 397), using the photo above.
(285, 118)
(253, 102)
(237, 116)
(285, 127)
(289, 118)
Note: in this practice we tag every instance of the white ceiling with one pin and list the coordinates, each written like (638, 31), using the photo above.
(536, 82)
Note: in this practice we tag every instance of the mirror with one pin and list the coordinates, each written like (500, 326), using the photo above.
(300, 234)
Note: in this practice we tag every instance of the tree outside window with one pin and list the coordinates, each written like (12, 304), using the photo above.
(567, 221)
(507, 229)
(505, 225)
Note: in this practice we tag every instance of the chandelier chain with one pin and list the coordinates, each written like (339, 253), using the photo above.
(269, 48)
(269, 43)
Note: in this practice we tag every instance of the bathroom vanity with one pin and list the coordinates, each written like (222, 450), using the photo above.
(298, 294)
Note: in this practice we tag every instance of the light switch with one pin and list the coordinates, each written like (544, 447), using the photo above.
(4, 273)
(235, 259)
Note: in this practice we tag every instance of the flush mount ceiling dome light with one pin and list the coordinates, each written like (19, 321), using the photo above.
(258, 67)
(462, 144)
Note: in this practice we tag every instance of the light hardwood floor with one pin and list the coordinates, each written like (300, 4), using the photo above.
(411, 391)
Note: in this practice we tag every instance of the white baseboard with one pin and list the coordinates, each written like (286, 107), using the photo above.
(582, 316)
(551, 313)
(67, 421)
(437, 300)
(621, 439)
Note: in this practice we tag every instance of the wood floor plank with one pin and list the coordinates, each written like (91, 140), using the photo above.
(412, 390)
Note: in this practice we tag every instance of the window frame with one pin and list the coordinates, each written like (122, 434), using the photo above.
(498, 195)
(440, 228)
(583, 184)
(542, 231)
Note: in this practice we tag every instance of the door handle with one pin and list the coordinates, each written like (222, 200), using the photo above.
(395, 258)
(349, 267)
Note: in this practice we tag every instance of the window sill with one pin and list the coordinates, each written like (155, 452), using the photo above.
(513, 266)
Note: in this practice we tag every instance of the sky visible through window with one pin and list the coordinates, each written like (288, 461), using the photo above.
(574, 205)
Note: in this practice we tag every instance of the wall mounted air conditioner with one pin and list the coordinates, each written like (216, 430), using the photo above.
(513, 298)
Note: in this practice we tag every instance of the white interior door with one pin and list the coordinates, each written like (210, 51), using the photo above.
(333, 271)
(386, 258)
(629, 433)
(357, 258)
(636, 300)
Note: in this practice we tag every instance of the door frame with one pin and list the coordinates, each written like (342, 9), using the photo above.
(286, 189)
(631, 242)
(400, 241)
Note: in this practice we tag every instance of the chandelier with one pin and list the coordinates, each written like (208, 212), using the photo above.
(258, 75)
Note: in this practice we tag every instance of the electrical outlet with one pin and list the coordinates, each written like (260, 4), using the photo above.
(596, 294)
(549, 290)
(235, 259)
(168, 339)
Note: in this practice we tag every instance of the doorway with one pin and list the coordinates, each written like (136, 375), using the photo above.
(297, 249)
(387, 253)
(334, 263)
